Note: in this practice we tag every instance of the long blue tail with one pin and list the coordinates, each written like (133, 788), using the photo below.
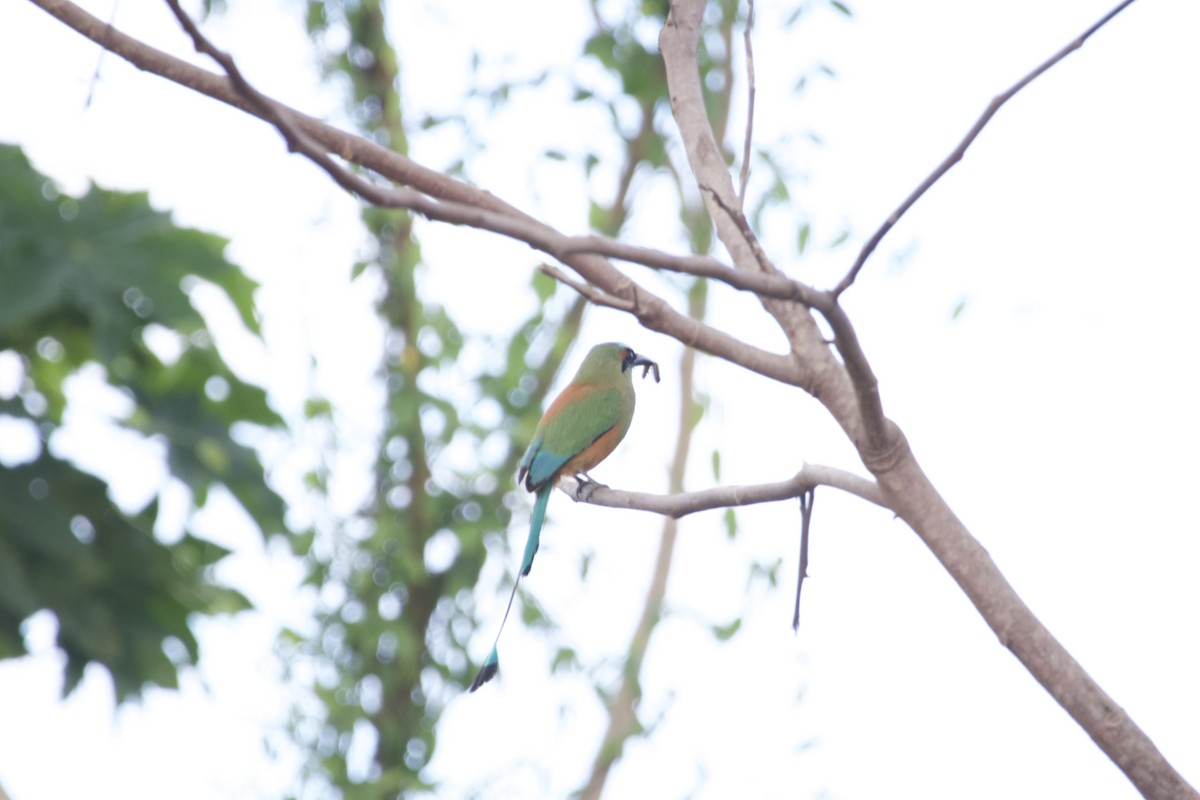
(491, 664)
(535, 528)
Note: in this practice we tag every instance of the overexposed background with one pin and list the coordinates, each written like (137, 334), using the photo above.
(1056, 412)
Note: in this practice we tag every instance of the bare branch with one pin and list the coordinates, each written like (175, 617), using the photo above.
(817, 370)
(880, 439)
(747, 233)
(881, 436)
(591, 293)
(280, 117)
(436, 195)
(806, 510)
(764, 284)
(677, 43)
(958, 152)
(685, 503)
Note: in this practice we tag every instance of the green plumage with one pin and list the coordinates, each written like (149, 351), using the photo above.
(579, 429)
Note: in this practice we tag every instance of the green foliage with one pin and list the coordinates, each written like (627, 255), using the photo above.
(85, 282)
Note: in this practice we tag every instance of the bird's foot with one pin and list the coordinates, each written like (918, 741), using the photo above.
(585, 487)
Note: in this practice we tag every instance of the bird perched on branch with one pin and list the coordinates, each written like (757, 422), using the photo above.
(580, 428)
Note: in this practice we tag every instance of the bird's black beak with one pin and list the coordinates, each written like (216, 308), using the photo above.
(632, 359)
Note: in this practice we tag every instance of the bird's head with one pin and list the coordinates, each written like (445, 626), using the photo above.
(613, 361)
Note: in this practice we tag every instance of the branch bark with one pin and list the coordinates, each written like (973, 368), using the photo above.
(681, 504)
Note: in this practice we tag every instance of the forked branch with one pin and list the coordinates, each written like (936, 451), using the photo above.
(958, 152)
(885, 452)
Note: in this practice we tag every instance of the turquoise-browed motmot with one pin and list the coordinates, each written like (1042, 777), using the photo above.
(580, 428)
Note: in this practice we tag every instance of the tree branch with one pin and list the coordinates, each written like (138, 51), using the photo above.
(436, 196)
(819, 372)
(958, 152)
(588, 292)
(851, 395)
(681, 504)
(774, 285)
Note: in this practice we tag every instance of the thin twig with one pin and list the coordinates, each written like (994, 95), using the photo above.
(958, 152)
(748, 235)
(87, 103)
(297, 140)
(745, 176)
(588, 291)
(806, 509)
(773, 284)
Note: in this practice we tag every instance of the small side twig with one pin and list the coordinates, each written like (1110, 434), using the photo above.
(958, 152)
(806, 509)
(588, 291)
(95, 81)
(743, 226)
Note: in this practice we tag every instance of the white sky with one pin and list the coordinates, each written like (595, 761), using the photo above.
(1056, 414)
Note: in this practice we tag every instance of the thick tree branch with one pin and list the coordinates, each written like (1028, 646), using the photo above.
(1015, 625)
(885, 451)
(681, 504)
(436, 195)
(958, 152)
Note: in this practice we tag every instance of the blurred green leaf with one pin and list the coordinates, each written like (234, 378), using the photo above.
(731, 525)
(84, 281)
(724, 633)
(802, 238)
(543, 285)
